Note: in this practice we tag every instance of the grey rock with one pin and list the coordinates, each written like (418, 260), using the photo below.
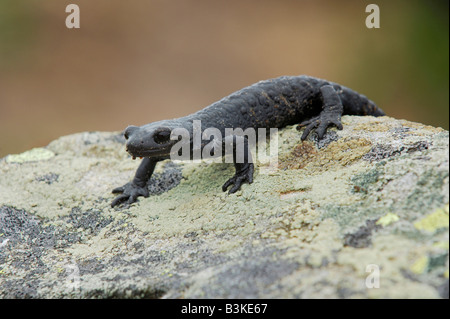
(319, 223)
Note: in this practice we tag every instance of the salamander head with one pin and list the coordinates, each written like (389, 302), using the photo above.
(151, 140)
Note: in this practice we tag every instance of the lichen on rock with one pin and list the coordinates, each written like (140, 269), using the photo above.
(375, 193)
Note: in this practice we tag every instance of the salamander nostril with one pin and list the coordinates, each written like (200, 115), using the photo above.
(129, 131)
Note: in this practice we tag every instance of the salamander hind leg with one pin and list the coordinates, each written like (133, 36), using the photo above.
(330, 115)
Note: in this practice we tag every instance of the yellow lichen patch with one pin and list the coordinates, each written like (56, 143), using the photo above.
(387, 219)
(370, 127)
(35, 154)
(422, 127)
(441, 245)
(437, 219)
(420, 265)
(337, 154)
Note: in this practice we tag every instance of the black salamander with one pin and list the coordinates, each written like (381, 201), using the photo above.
(312, 103)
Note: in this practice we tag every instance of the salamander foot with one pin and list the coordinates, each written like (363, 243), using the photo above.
(129, 193)
(244, 173)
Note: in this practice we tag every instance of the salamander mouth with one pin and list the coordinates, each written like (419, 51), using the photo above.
(148, 153)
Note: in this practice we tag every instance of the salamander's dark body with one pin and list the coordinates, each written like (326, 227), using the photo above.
(279, 102)
(310, 102)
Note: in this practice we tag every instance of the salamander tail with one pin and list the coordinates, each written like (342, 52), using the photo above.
(375, 110)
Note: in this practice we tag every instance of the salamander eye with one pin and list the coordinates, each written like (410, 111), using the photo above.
(161, 137)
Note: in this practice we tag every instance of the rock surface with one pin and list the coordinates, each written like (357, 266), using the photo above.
(361, 214)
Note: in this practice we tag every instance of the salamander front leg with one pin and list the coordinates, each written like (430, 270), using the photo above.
(330, 115)
(243, 162)
(138, 186)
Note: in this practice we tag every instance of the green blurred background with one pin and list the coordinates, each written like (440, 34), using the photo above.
(134, 62)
